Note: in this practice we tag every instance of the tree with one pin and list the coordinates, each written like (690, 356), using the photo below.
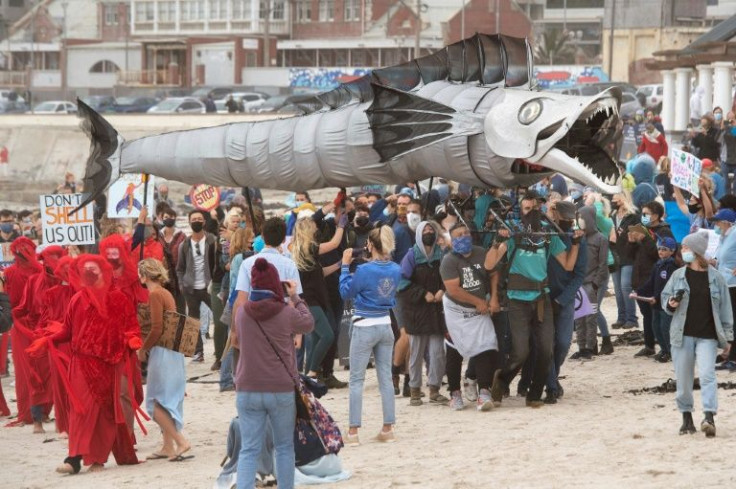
(553, 47)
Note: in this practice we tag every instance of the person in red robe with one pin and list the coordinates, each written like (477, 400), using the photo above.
(16, 276)
(29, 324)
(57, 301)
(125, 279)
(102, 329)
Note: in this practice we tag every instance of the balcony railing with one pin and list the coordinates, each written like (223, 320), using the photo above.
(149, 77)
(13, 78)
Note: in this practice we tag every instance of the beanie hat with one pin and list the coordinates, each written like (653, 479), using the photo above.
(566, 210)
(264, 276)
(697, 242)
(668, 243)
(707, 163)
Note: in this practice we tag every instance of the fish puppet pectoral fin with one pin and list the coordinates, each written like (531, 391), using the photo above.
(103, 164)
(402, 122)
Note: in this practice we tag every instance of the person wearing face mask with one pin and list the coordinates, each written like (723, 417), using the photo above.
(171, 238)
(643, 247)
(420, 292)
(195, 268)
(101, 328)
(413, 214)
(162, 196)
(651, 218)
(699, 208)
(653, 143)
(146, 232)
(8, 234)
(624, 215)
(29, 322)
(530, 309)
(706, 139)
(725, 222)
(728, 150)
(697, 298)
(470, 297)
(124, 276)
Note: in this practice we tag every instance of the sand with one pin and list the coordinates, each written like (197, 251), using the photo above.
(597, 436)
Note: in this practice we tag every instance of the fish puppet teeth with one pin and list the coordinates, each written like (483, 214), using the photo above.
(465, 113)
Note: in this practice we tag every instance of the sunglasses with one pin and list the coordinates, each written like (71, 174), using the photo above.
(199, 251)
(661, 248)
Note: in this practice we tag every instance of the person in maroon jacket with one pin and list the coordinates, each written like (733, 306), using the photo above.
(266, 374)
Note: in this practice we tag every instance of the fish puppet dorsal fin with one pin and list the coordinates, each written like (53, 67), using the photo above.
(402, 122)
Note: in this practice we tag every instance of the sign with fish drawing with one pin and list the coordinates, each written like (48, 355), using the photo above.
(125, 198)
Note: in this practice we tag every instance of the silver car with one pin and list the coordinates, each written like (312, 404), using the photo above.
(178, 105)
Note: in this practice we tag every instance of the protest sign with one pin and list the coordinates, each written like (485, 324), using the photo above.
(204, 197)
(61, 228)
(583, 307)
(125, 197)
(685, 169)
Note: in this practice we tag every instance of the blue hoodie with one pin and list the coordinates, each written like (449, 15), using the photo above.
(373, 287)
(563, 285)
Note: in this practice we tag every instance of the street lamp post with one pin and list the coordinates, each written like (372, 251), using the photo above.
(64, 6)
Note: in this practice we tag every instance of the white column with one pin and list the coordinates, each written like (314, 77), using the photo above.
(668, 100)
(723, 80)
(682, 98)
(705, 80)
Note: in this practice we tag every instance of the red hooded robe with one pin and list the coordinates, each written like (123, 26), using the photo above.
(102, 329)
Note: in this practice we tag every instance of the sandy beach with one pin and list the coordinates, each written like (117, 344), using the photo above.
(598, 435)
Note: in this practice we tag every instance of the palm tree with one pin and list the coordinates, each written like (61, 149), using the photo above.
(553, 47)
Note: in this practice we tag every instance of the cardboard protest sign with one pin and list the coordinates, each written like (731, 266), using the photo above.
(6, 257)
(685, 169)
(60, 228)
(125, 197)
(204, 197)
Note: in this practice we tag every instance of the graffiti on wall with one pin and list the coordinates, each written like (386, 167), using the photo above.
(549, 77)
(323, 78)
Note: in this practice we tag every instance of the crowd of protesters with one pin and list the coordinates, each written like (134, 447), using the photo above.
(452, 277)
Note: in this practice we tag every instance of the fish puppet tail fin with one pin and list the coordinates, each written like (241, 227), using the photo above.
(103, 164)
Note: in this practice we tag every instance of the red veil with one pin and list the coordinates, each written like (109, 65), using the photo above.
(127, 282)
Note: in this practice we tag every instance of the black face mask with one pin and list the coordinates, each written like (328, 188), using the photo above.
(169, 223)
(362, 221)
(614, 206)
(351, 216)
(429, 239)
(532, 220)
(565, 225)
(451, 211)
(197, 227)
(693, 208)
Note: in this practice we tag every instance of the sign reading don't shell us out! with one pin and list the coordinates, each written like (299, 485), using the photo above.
(60, 227)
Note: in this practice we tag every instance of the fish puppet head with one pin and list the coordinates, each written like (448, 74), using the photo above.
(540, 132)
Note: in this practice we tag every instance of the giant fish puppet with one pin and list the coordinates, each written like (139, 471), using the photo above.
(468, 113)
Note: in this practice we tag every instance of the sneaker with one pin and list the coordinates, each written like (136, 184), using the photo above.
(352, 439)
(617, 325)
(663, 357)
(536, 403)
(333, 382)
(471, 389)
(729, 365)
(586, 355)
(485, 403)
(576, 355)
(385, 436)
(645, 352)
(435, 397)
(550, 398)
(630, 326)
(456, 401)
(498, 389)
(216, 366)
(198, 357)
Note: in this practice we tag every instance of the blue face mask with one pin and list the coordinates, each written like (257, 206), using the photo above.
(575, 195)
(646, 219)
(462, 245)
(718, 231)
(688, 256)
(7, 227)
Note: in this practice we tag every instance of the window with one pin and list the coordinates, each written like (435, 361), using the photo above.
(279, 11)
(218, 9)
(144, 12)
(352, 10)
(326, 10)
(192, 10)
(304, 11)
(167, 11)
(104, 66)
(111, 14)
(241, 9)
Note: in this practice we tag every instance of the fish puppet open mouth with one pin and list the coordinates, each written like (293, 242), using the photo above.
(466, 113)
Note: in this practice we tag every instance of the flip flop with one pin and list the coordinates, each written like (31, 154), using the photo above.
(181, 458)
(156, 456)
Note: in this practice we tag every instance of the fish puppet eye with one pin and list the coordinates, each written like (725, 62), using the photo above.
(530, 112)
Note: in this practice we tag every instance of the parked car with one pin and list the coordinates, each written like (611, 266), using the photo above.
(10, 95)
(55, 107)
(629, 105)
(216, 92)
(12, 107)
(178, 105)
(101, 103)
(133, 105)
(650, 96)
(290, 104)
(593, 88)
(251, 101)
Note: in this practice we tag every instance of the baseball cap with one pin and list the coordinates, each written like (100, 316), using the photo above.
(668, 243)
(707, 163)
(728, 215)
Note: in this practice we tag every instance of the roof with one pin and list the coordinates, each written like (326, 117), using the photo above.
(722, 32)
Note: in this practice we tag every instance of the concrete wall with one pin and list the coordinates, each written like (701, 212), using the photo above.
(82, 58)
(218, 60)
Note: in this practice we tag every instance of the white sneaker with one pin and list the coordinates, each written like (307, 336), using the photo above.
(485, 403)
(471, 390)
(456, 401)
